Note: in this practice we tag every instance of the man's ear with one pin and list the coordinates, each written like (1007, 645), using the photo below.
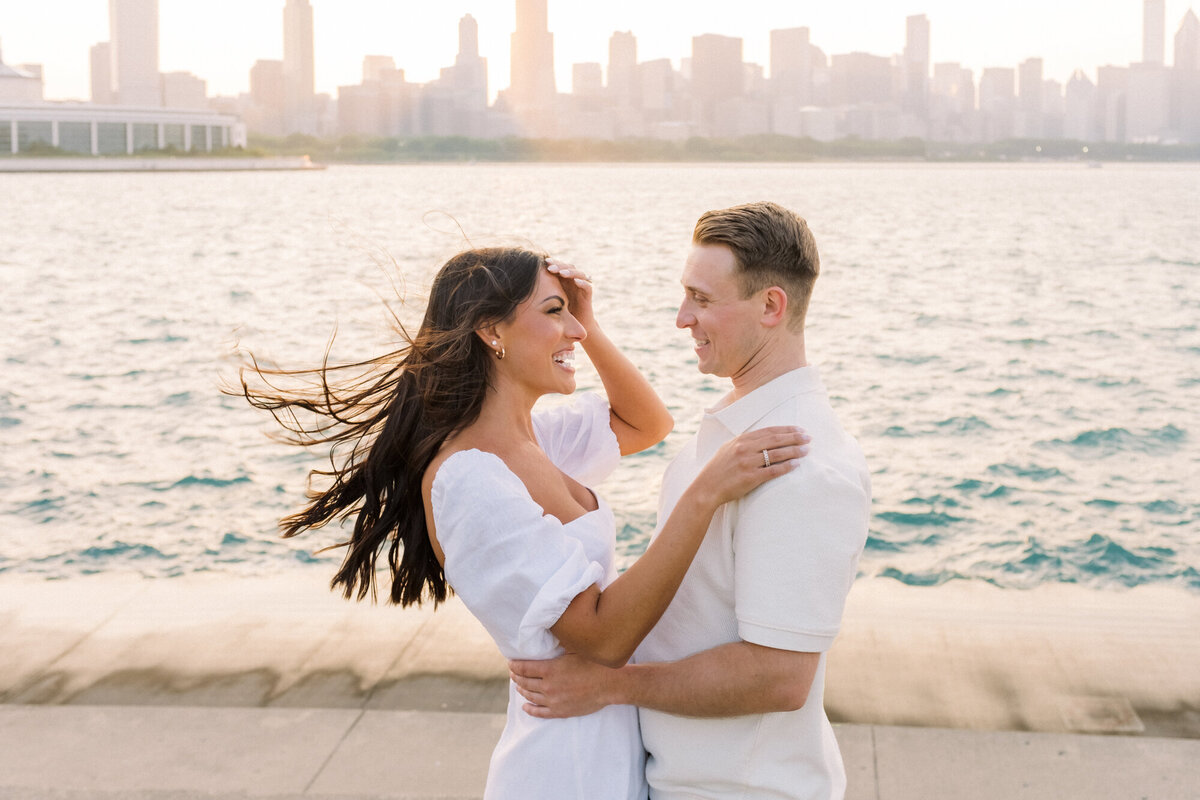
(775, 307)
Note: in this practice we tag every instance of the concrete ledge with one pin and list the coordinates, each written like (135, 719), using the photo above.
(1057, 659)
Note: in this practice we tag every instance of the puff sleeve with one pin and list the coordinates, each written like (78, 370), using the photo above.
(579, 438)
(513, 567)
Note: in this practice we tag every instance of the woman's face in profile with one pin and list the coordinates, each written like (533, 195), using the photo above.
(539, 340)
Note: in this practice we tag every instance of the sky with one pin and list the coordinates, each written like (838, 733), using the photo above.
(219, 40)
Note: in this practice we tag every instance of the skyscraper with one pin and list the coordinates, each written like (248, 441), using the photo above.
(623, 83)
(133, 38)
(1185, 89)
(916, 64)
(717, 75)
(299, 77)
(997, 96)
(470, 69)
(1030, 98)
(1187, 43)
(101, 73)
(1154, 31)
(791, 65)
(266, 96)
(532, 91)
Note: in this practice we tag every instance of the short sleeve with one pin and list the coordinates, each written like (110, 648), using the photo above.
(797, 544)
(514, 568)
(579, 438)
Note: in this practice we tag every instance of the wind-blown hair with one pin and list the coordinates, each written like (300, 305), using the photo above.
(387, 421)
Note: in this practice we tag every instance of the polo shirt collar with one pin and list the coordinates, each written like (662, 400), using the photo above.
(741, 414)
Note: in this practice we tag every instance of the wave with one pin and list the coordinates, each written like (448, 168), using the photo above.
(898, 432)
(936, 519)
(932, 500)
(964, 424)
(1033, 472)
(166, 338)
(1099, 559)
(913, 360)
(985, 489)
(189, 481)
(876, 544)
(1109, 441)
(218, 483)
(1175, 262)
(923, 578)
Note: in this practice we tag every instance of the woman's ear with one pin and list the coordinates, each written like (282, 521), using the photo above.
(775, 306)
(491, 338)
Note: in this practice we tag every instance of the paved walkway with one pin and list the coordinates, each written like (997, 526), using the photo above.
(230, 688)
(173, 753)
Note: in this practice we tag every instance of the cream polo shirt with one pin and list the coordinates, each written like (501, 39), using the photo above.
(774, 569)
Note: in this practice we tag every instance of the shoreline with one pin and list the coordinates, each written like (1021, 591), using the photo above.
(137, 164)
(1055, 659)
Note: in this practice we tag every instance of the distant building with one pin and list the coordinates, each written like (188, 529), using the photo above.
(1053, 109)
(1079, 109)
(1187, 43)
(265, 112)
(90, 129)
(532, 92)
(21, 84)
(792, 65)
(184, 90)
(916, 65)
(860, 78)
(470, 78)
(952, 103)
(1148, 104)
(656, 86)
(997, 101)
(623, 84)
(1030, 99)
(374, 67)
(587, 80)
(1154, 31)
(299, 77)
(133, 40)
(100, 62)
(717, 76)
(1185, 88)
(1112, 84)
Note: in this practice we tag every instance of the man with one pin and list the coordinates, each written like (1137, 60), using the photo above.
(730, 682)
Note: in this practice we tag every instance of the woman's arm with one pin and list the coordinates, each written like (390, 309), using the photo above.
(639, 418)
(607, 626)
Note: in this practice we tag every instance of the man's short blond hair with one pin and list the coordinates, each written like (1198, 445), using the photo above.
(771, 247)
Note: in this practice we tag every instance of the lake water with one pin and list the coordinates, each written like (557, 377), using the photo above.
(1015, 346)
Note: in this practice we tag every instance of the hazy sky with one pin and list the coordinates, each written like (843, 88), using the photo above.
(219, 40)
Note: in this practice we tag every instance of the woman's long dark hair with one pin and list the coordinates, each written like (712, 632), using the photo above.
(387, 422)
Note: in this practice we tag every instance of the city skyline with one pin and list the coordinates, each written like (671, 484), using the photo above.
(348, 31)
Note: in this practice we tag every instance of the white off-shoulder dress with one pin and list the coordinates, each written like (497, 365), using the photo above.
(517, 569)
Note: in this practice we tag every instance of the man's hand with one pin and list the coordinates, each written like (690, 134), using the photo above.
(568, 686)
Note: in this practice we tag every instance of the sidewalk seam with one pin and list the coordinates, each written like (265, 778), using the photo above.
(333, 752)
(875, 763)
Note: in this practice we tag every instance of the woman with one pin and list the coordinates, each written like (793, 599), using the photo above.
(451, 470)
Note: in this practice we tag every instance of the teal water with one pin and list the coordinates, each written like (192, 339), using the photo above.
(1015, 346)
